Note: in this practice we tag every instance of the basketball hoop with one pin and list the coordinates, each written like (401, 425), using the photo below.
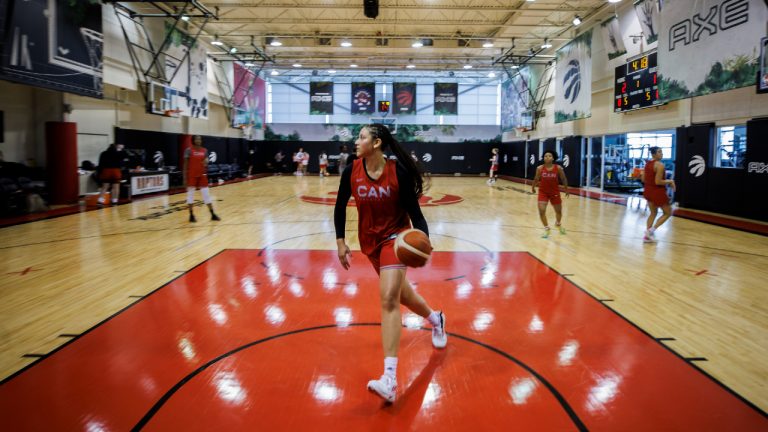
(172, 112)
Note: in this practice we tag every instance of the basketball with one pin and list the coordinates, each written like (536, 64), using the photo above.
(413, 248)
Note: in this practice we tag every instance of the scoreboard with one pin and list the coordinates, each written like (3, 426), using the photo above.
(636, 84)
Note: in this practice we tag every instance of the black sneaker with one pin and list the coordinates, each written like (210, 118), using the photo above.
(214, 217)
(192, 218)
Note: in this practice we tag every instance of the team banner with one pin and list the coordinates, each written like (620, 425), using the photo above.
(648, 14)
(363, 97)
(573, 93)
(321, 97)
(53, 44)
(516, 101)
(404, 95)
(248, 99)
(720, 37)
(762, 82)
(186, 63)
(446, 98)
(614, 44)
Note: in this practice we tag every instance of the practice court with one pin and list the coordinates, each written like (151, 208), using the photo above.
(130, 317)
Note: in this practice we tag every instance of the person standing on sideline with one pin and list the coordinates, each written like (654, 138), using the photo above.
(196, 176)
(110, 172)
(655, 192)
(494, 166)
(298, 157)
(548, 174)
(343, 155)
(323, 164)
(386, 195)
(304, 163)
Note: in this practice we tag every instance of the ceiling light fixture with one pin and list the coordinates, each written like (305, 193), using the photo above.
(491, 74)
(249, 64)
(331, 71)
(185, 17)
(275, 42)
(613, 1)
(232, 50)
(576, 20)
(546, 44)
(346, 44)
(488, 44)
(353, 65)
(274, 72)
(297, 65)
(216, 41)
(410, 66)
(467, 66)
(418, 44)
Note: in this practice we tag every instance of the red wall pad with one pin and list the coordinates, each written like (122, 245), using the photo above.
(61, 148)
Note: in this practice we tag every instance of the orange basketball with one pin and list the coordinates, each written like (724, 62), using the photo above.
(412, 248)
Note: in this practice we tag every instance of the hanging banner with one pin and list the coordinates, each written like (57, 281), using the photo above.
(446, 98)
(363, 97)
(614, 44)
(762, 82)
(648, 15)
(720, 37)
(186, 63)
(321, 97)
(516, 101)
(248, 99)
(573, 94)
(53, 44)
(404, 95)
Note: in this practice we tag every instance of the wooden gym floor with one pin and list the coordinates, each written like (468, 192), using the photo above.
(252, 323)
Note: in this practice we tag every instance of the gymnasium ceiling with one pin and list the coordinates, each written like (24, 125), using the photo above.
(311, 33)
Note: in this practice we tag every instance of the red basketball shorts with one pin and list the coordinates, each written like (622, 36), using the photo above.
(198, 181)
(383, 257)
(111, 175)
(658, 197)
(553, 198)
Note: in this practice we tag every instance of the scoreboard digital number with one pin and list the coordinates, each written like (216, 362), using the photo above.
(636, 84)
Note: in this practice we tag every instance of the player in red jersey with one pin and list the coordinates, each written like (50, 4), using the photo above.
(492, 176)
(196, 176)
(655, 192)
(548, 174)
(387, 195)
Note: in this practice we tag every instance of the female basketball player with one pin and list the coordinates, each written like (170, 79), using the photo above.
(548, 174)
(196, 176)
(655, 192)
(387, 195)
(494, 166)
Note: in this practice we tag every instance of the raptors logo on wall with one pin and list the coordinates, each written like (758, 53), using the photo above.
(405, 98)
(363, 97)
(424, 201)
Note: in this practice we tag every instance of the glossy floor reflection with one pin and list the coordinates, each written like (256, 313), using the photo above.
(286, 340)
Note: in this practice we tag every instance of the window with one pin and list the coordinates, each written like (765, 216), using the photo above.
(731, 147)
(269, 103)
(640, 142)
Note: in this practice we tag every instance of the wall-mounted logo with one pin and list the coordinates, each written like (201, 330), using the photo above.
(533, 159)
(697, 166)
(457, 157)
(757, 167)
(158, 158)
(572, 81)
(426, 157)
(730, 13)
(212, 157)
(566, 161)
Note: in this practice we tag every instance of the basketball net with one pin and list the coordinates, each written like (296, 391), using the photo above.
(94, 43)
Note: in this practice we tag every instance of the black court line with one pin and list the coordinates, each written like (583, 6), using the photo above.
(176, 387)
(661, 339)
(69, 335)
(135, 296)
(693, 359)
(702, 371)
(568, 274)
(455, 278)
(604, 300)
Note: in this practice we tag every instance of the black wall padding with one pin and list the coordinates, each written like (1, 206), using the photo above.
(572, 149)
(514, 164)
(531, 158)
(693, 144)
(756, 164)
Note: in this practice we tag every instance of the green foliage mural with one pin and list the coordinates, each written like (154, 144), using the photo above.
(739, 71)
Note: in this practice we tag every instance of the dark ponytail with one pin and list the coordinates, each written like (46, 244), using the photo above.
(412, 167)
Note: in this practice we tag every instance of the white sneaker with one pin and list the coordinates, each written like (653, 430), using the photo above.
(439, 336)
(648, 237)
(386, 387)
